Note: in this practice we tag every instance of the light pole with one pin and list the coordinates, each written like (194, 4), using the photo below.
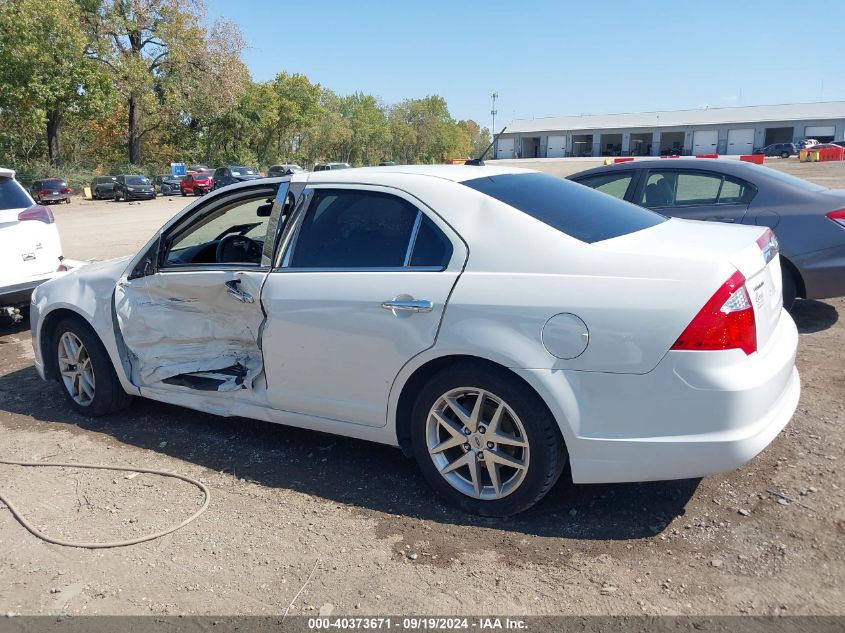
(493, 111)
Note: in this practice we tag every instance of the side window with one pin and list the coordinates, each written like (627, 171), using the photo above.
(735, 191)
(431, 247)
(694, 189)
(346, 228)
(203, 241)
(615, 184)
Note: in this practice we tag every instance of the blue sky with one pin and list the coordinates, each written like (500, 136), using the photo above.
(552, 58)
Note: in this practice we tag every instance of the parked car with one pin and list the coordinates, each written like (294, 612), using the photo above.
(50, 190)
(387, 163)
(231, 174)
(133, 187)
(198, 168)
(102, 187)
(283, 170)
(30, 248)
(807, 143)
(634, 346)
(331, 166)
(809, 219)
(167, 183)
(839, 143)
(784, 150)
(196, 184)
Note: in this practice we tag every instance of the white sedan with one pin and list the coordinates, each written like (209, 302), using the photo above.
(493, 322)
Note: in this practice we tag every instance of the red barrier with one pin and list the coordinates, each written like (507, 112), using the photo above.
(626, 159)
(707, 156)
(831, 153)
(757, 159)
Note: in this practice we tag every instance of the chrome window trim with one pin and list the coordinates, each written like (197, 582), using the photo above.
(359, 269)
(412, 241)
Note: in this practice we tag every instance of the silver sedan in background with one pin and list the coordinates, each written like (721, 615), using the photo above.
(808, 219)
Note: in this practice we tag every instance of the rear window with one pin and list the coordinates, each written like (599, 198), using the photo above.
(578, 211)
(12, 195)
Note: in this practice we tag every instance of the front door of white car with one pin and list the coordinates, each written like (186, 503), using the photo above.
(191, 317)
(360, 290)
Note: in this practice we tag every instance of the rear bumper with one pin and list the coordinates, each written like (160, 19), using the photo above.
(695, 414)
(19, 294)
(823, 272)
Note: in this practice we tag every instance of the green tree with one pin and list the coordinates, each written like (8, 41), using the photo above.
(163, 61)
(479, 137)
(42, 65)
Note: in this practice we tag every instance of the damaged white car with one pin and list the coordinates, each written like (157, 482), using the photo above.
(493, 322)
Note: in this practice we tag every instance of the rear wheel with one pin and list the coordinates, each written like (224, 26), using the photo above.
(485, 441)
(784, 154)
(790, 287)
(85, 371)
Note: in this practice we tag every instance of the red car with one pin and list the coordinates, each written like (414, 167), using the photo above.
(197, 183)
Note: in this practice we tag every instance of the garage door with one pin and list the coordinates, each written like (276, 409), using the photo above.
(504, 148)
(812, 131)
(705, 141)
(741, 141)
(557, 147)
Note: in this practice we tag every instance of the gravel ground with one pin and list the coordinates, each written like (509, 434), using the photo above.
(355, 523)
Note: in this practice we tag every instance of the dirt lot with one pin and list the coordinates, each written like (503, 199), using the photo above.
(357, 522)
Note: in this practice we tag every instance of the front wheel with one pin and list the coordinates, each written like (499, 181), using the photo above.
(486, 441)
(116, 197)
(85, 371)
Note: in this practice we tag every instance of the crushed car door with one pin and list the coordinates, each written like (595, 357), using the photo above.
(190, 313)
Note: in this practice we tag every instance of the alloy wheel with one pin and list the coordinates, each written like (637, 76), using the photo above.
(477, 443)
(76, 369)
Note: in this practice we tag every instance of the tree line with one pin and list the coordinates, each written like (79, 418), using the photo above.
(112, 85)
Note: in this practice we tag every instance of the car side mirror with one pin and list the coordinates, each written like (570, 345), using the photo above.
(264, 210)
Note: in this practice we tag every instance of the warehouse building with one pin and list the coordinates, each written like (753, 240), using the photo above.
(737, 130)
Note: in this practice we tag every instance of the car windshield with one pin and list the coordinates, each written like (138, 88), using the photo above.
(578, 211)
(239, 170)
(137, 180)
(12, 195)
(791, 180)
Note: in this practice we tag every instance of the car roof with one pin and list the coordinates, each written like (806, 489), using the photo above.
(455, 173)
(7, 173)
(721, 165)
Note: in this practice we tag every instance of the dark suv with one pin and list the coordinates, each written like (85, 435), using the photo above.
(133, 187)
(50, 190)
(784, 150)
(284, 170)
(102, 187)
(231, 174)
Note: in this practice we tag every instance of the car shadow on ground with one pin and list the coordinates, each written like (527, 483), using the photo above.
(813, 316)
(368, 476)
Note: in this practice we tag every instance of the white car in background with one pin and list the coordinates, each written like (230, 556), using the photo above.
(493, 322)
(30, 249)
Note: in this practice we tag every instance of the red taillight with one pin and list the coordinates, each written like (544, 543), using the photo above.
(838, 216)
(65, 189)
(43, 192)
(37, 212)
(725, 322)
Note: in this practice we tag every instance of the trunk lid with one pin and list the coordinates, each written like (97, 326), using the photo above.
(750, 250)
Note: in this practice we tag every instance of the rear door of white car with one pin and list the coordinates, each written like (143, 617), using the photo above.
(189, 312)
(29, 240)
(359, 290)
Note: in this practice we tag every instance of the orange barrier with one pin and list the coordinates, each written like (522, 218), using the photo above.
(707, 156)
(626, 159)
(757, 159)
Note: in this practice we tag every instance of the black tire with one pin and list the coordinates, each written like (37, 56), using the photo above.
(116, 196)
(784, 154)
(547, 450)
(197, 192)
(109, 395)
(183, 193)
(790, 287)
(95, 195)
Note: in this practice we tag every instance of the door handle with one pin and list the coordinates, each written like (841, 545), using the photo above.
(233, 287)
(408, 305)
